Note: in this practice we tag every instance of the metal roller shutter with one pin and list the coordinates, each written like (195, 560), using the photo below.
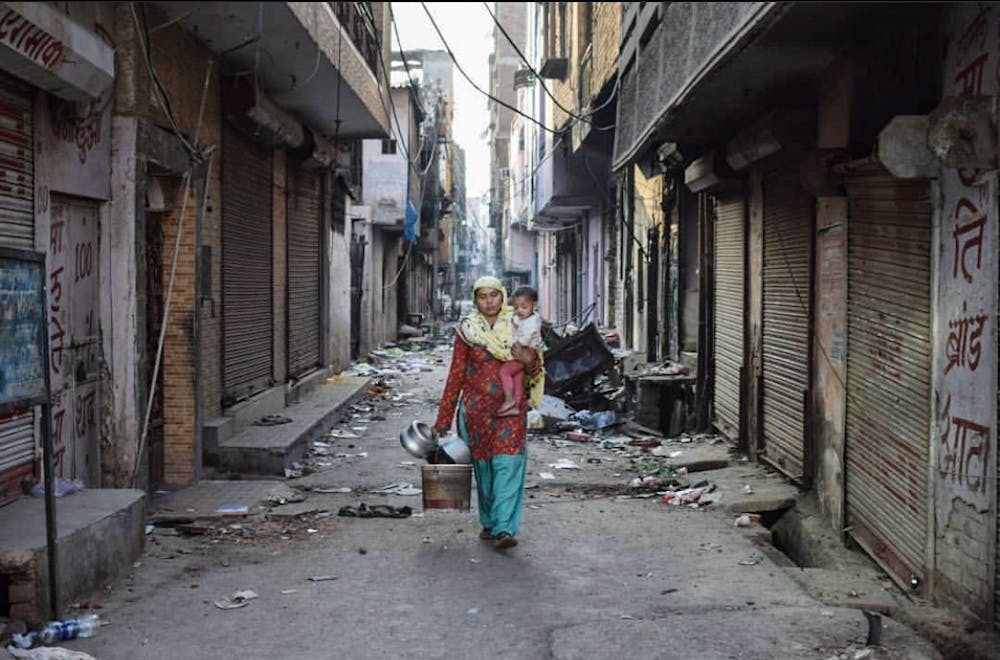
(17, 440)
(17, 166)
(304, 271)
(17, 230)
(788, 230)
(729, 273)
(889, 369)
(246, 267)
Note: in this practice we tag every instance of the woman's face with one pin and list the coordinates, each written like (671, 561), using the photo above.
(488, 302)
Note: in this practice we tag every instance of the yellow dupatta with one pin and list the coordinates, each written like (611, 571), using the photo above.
(498, 338)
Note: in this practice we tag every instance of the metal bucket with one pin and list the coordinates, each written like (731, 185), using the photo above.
(446, 487)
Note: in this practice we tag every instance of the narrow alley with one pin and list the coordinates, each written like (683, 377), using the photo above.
(719, 282)
(603, 567)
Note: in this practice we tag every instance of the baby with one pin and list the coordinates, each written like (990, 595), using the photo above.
(527, 333)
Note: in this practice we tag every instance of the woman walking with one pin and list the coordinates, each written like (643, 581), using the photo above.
(484, 341)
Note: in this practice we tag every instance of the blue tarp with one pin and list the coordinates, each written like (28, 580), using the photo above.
(410, 226)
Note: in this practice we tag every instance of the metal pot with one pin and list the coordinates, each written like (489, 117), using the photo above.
(454, 450)
(418, 440)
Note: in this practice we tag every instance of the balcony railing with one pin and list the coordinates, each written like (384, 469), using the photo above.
(359, 21)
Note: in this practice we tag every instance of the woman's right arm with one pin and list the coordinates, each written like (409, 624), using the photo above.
(452, 388)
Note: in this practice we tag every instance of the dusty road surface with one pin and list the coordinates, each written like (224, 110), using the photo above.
(598, 572)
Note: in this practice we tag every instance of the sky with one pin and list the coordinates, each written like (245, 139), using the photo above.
(468, 29)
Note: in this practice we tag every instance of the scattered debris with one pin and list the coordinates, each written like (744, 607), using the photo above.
(61, 487)
(375, 511)
(281, 495)
(233, 510)
(322, 578)
(874, 627)
(398, 489)
(754, 559)
(272, 420)
(240, 598)
(564, 464)
(325, 491)
(747, 519)
(49, 653)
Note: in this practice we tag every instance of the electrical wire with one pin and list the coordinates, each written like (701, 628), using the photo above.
(474, 85)
(142, 27)
(406, 64)
(496, 21)
(391, 110)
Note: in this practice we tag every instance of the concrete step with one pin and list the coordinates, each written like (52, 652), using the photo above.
(99, 534)
(269, 450)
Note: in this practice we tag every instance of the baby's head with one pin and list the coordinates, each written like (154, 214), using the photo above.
(525, 299)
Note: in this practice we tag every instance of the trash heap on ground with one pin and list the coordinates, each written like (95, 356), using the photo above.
(586, 403)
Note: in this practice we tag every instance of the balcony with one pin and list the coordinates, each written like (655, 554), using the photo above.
(568, 184)
(317, 60)
(359, 21)
(730, 61)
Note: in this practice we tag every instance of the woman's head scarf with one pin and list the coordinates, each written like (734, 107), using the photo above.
(497, 338)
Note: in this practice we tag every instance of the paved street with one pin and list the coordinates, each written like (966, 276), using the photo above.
(598, 572)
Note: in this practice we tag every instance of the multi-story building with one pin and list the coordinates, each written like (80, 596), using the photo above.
(386, 225)
(183, 172)
(832, 173)
(555, 200)
(428, 266)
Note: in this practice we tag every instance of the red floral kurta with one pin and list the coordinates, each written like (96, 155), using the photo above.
(475, 376)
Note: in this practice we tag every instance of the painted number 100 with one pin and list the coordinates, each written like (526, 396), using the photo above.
(84, 260)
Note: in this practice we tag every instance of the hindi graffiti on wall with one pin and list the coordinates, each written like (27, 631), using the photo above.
(22, 330)
(966, 355)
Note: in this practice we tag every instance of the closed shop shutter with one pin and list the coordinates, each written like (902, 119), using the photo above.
(17, 441)
(246, 267)
(17, 230)
(788, 229)
(304, 271)
(17, 165)
(889, 369)
(729, 312)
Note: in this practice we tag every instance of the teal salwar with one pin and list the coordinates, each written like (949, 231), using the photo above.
(499, 486)
(472, 397)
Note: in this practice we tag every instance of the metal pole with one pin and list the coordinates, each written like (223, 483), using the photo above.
(48, 452)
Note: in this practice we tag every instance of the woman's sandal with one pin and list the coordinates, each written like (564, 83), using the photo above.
(486, 534)
(504, 540)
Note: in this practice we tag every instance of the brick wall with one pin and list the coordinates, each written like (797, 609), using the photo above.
(963, 563)
(182, 65)
(606, 37)
(177, 361)
(23, 597)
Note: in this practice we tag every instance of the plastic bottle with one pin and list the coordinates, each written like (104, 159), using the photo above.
(60, 631)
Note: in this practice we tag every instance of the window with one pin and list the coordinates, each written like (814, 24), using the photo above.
(388, 146)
